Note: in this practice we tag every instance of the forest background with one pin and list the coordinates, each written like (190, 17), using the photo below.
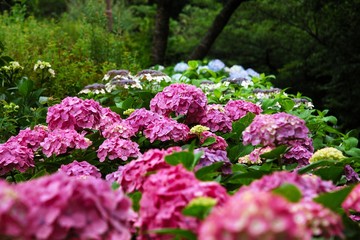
(311, 46)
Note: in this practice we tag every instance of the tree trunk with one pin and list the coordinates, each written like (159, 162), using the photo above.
(109, 16)
(161, 33)
(216, 28)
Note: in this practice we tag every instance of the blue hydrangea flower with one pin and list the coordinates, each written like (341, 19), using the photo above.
(181, 67)
(252, 73)
(216, 65)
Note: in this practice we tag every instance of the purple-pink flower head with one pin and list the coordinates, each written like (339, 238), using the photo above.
(181, 99)
(237, 109)
(80, 169)
(219, 144)
(62, 207)
(319, 220)
(164, 129)
(254, 215)
(165, 195)
(351, 205)
(141, 118)
(30, 138)
(108, 117)
(255, 156)
(120, 129)
(276, 129)
(298, 154)
(117, 148)
(132, 176)
(309, 185)
(216, 119)
(74, 113)
(211, 156)
(15, 156)
(60, 141)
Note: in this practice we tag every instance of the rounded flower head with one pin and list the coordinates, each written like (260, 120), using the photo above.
(237, 109)
(309, 185)
(298, 154)
(119, 129)
(181, 67)
(198, 129)
(216, 65)
(328, 153)
(275, 129)
(149, 75)
(181, 99)
(62, 207)
(253, 215)
(165, 195)
(108, 117)
(211, 156)
(216, 119)
(164, 129)
(74, 113)
(141, 118)
(115, 147)
(219, 144)
(59, 141)
(132, 176)
(30, 138)
(80, 169)
(15, 156)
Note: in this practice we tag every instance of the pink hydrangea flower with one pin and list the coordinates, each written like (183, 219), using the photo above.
(320, 220)
(115, 147)
(211, 156)
(298, 154)
(309, 185)
(132, 176)
(216, 119)
(237, 109)
(351, 204)
(255, 156)
(164, 129)
(108, 117)
(74, 113)
(119, 129)
(141, 118)
(181, 99)
(60, 141)
(254, 215)
(62, 207)
(30, 138)
(275, 129)
(165, 195)
(80, 169)
(15, 156)
(220, 143)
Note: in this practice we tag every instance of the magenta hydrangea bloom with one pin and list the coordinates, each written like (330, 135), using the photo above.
(115, 148)
(181, 99)
(164, 129)
(211, 156)
(74, 113)
(80, 169)
(119, 129)
(30, 138)
(165, 195)
(62, 207)
(216, 119)
(351, 175)
(237, 109)
(15, 156)
(254, 215)
(220, 142)
(132, 176)
(60, 140)
(108, 117)
(255, 156)
(351, 205)
(141, 118)
(320, 220)
(274, 130)
(298, 154)
(309, 185)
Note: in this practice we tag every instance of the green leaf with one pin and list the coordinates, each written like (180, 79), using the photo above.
(333, 200)
(176, 232)
(315, 165)
(193, 64)
(353, 152)
(287, 104)
(19, 177)
(351, 142)
(275, 153)
(25, 86)
(330, 173)
(208, 141)
(199, 207)
(39, 174)
(135, 197)
(188, 159)
(239, 126)
(289, 191)
(115, 185)
(209, 172)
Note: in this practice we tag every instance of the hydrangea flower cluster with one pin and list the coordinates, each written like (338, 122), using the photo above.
(254, 215)
(74, 113)
(12, 67)
(141, 118)
(211, 156)
(181, 67)
(152, 76)
(237, 109)
(132, 176)
(351, 205)
(80, 169)
(216, 119)
(44, 65)
(60, 140)
(216, 65)
(165, 195)
(62, 207)
(30, 138)
(219, 144)
(119, 129)
(328, 153)
(181, 99)
(298, 154)
(95, 88)
(14, 155)
(255, 156)
(108, 117)
(309, 185)
(115, 148)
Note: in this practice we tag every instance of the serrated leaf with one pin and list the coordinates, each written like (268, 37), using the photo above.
(288, 191)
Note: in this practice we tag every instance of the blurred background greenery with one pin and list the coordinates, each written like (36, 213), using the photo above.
(312, 46)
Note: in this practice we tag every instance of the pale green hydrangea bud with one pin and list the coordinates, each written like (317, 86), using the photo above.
(128, 111)
(328, 153)
(198, 129)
